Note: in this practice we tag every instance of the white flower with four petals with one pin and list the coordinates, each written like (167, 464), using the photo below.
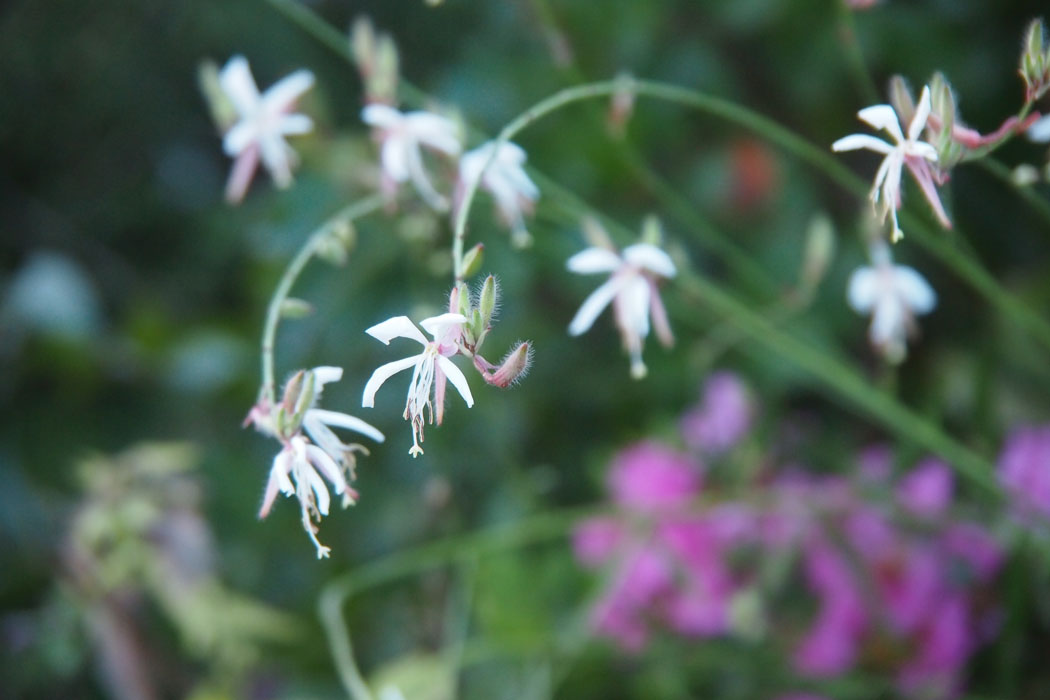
(505, 179)
(264, 122)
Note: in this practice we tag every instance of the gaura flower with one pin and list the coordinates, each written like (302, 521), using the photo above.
(1039, 130)
(429, 368)
(264, 122)
(505, 179)
(916, 155)
(893, 294)
(298, 467)
(631, 289)
(401, 135)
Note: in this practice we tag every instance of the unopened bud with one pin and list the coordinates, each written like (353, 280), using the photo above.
(363, 45)
(901, 99)
(945, 114)
(472, 260)
(305, 399)
(487, 299)
(595, 235)
(1035, 61)
(292, 389)
(296, 308)
(514, 366)
(652, 231)
(462, 300)
(220, 107)
(331, 250)
(382, 84)
(820, 249)
(343, 231)
(621, 106)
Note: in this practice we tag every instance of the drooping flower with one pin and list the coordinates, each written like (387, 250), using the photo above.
(298, 467)
(631, 288)
(401, 136)
(893, 295)
(723, 416)
(264, 122)
(905, 151)
(505, 179)
(430, 368)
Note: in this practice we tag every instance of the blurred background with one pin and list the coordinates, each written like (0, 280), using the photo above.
(132, 299)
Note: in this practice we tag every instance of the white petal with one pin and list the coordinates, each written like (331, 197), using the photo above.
(282, 94)
(282, 464)
(239, 85)
(382, 373)
(381, 116)
(883, 117)
(590, 261)
(632, 308)
(456, 377)
(914, 290)
(396, 327)
(863, 289)
(438, 326)
(1040, 130)
(594, 304)
(923, 150)
(345, 420)
(277, 157)
(651, 258)
(855, 142)
(327, 466)
(327, 374)
(887, 322)
(922, 113)
(324, 437)
(295, 124)
(394, 156)
(239, 137)
(317, 484)
(433, 131)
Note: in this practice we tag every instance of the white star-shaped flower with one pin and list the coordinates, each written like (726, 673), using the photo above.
(631, 289)
(401, 135)
(505, 179)
(429, 368)
(893, 295)
(264, 122)
(298, 467)
(916, 155)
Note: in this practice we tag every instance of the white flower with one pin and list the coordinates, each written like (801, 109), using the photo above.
(1039, 131)
(429, 368)
(401, 134)
(298, 467)
(505, 179)
(264, 122)
(893, 294)
(632, 290)
(911, 152)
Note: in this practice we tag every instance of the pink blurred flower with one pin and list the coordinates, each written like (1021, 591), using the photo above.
(649, 477)
(1024, 470)
(926, 492)
(723, 416)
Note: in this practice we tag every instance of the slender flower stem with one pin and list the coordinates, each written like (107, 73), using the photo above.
(314, 241)
(1039, 204)
(847, 31)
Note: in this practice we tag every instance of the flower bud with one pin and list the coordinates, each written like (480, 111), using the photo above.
(472, 260)
(652, 231)
(220, 107)
(621, 106)
(514, 366)
(487, 299)
(595, 235)
(332, 251)
(1035, 62)
(944, 114)
(820, 248)
(382, 84)
(460, 302)
(296, 308)
(343, 231)
(363, 46)
(1024, 175)
(901, 99)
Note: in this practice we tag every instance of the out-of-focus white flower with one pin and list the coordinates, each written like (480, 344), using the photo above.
(505, 179)
(893, 295)
(298, 467)
(1039, 131)
(631, 288)
(429, 368)
(264, 122)
(401, 135)
(916, 155)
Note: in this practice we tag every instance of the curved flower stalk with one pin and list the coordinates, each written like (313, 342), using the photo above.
(893, 295)
(503, 175)
(904, 151)
(264, 122)
(401, 135)
(430, 368)
(304, 459)
(632, 291)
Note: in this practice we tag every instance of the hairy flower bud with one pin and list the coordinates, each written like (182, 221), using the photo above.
(487, 299)
(514, 366)
(472, 260)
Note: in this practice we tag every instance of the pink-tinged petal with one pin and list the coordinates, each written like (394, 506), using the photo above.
(593, 261)
(278, 481)
(921, 170)
(440, 383)
(345, 420)
(315, 482)
(863, 289)
(456, 377)
(239, 85)
(438, 326)
(433, 131)
(922, 113)
(891, 186)
(383, 373)
(914, 290)
(327, 374)
(295, 124)
(239, 137)
(396, 327)
(594, 304)
(883, 117)
(283, 94)
(381, 116)
(327, 466)
(661, 324)
(241, 174)
(855, 142)
(651, 258)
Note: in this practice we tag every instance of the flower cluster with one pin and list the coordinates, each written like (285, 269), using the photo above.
(305, 458)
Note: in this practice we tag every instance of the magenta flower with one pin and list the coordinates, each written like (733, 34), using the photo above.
(1024, 471)
(927, 491)
(723, 416)
(651, 478)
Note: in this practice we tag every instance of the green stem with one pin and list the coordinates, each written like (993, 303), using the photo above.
(1040, 205)
(847, 29)
(313, 242)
